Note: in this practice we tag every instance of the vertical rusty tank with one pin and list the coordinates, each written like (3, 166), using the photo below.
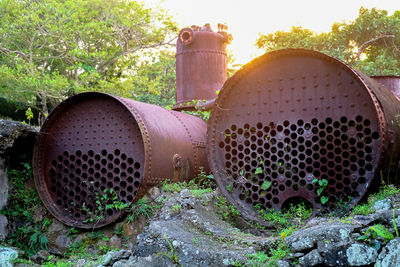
(96, 149)
(201, 64)
(390, 82)
(293, 117)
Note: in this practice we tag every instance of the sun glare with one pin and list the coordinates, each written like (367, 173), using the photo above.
(246, 19)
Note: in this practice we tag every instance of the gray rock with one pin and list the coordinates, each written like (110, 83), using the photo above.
(40, 257)
(390, 254)
(56, 229)
(55, 252)
(385, 217)
(185, 193)
(63, 242)
(326, 232)
(149, 261)
(384, 204)
(336, 255)
(296, 255)
(80, 263)
(113, 256)
(311, 259)
(153, 192)
(115, 242)
(10, 131)
(39, 214)
(6, 256)
(360, 254)
(281, 263)
(3, 184)
(3, 227)
(198, 237)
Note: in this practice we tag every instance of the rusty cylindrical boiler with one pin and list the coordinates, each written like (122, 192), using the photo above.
(201, 64)
(94, 142)
(293, 116)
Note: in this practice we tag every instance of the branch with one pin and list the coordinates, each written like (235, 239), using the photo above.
(367, 43)
(8, 52)
(129, 51)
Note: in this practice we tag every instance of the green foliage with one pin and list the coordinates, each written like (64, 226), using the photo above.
(172, 255)
(51, 49)
(369, 43)
(298, 211)
(362, 209)
(176, 208)
(202, 184)
(265, 185)
(377, 230)
(29, 115)
(260, 258)
(21, 206)
(106, 201)
(153, 80)
(288, 220)
(224, 210)
(141, 207)
(384, 192)
(167, 186)
(395, 224)
(274, 217)
(323, 183)
(198, 193)
(205, 180)
(77, 248)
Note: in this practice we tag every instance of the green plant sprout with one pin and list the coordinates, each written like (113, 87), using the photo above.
(29, 115)
(395, 224)
(266, 185)
(259, 169)
(323, 184)
(172, 255)
(229, 188)
(376, 230)
(103, 202)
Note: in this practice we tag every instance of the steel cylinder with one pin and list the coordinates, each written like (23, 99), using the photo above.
(201, 65)
(390, 82)
(294, 117)
(96, 149)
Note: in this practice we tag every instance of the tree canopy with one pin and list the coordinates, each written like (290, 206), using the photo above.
(370, 43)
(54, 48)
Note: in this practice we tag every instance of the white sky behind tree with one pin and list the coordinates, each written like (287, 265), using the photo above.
(247, 18)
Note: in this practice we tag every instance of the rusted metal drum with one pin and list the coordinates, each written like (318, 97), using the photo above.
(293, 117)
(391, 82)
(94, 142)
(201, 65)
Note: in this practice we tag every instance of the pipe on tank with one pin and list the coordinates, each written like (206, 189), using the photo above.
(201, 64)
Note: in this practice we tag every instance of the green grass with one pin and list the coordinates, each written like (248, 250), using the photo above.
(198, 193)
(224, 210)
(384, 192)
(260, 259)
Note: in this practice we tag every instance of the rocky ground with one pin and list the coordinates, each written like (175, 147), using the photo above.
(190, 226)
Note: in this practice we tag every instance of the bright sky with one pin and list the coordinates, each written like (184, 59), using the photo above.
(247, 18)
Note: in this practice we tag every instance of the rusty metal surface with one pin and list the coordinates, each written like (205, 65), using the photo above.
(94, 142)
(201, 65)
(390, 82)
(292, 116)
